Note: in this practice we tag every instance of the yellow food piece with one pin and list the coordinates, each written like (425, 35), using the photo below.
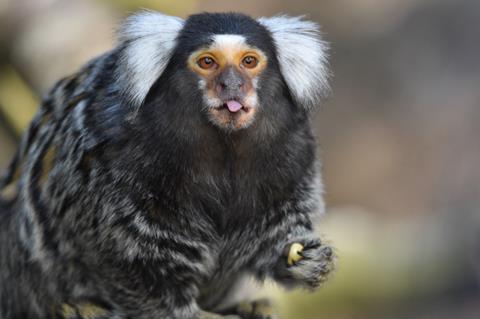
(294, 253)
(91, 311)
(84, 310)
(67, 311)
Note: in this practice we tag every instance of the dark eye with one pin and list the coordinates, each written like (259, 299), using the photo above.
(250, 62)
(206, 62)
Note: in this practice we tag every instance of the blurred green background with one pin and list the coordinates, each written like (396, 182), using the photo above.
(399, 137)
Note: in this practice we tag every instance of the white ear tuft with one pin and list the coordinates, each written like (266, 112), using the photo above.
(302, 55)
(149, 38)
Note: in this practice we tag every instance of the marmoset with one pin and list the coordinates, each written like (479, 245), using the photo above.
(166, 171)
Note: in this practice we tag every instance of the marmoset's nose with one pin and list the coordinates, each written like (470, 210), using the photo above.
(230, 82)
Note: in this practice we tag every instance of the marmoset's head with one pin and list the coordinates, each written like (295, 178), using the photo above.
(229, 67)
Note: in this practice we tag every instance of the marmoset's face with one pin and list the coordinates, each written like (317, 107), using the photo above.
(228, 70)
(231, 70)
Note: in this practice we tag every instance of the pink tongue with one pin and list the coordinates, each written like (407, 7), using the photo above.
(234, 106)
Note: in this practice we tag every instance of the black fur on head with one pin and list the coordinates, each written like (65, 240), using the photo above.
(199, 28)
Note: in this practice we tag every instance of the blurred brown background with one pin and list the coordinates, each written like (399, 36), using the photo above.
(398, 136)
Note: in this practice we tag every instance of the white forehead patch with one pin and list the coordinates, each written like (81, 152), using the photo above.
(228, 40)
(229, 44)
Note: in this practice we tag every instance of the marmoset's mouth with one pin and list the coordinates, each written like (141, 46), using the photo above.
(232, 114)
(233, 106)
